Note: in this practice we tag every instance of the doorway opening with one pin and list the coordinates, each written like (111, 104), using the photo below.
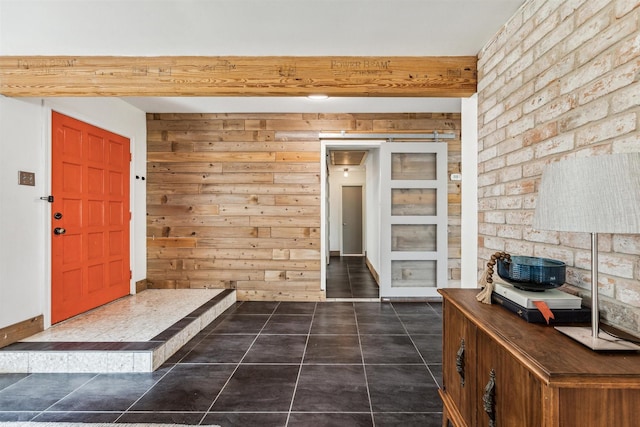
(405, 238)
(350, 220)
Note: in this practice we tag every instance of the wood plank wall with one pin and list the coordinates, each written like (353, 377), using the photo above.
(233, 200)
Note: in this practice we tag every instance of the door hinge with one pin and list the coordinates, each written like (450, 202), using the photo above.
(130, 216)
(130, 157)
(130, 274)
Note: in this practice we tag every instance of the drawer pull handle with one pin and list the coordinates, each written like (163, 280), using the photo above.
(489, 397)
(460, 362)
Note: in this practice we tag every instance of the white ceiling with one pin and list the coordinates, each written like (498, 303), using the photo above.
(255, 28)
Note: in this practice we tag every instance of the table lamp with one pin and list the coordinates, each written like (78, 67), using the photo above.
(599, 194)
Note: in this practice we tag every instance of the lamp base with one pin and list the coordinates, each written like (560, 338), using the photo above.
(604, 342)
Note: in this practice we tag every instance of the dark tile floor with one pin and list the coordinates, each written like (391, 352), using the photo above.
(265, 364)
(349, 277)
(269, 364)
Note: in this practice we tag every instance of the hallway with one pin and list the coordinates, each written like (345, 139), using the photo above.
(349, 277)
(265, 364)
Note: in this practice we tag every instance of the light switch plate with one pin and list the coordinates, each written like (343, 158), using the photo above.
(26, 178)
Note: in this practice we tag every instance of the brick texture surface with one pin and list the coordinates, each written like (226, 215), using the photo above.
(561, 79)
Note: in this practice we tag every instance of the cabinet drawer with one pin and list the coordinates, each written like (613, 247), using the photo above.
(507, 392)
(459, 361)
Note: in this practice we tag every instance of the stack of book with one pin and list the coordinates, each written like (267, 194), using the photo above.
(566, 308)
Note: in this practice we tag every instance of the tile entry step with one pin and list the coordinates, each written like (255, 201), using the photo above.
(50, 354)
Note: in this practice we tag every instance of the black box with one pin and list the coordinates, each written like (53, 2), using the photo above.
(533, 315)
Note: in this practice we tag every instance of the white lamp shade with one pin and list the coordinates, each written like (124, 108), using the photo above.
(599, 194)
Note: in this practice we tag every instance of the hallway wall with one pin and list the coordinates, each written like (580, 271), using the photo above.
(234, 199)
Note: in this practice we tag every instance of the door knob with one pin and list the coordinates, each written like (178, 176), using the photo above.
(59, 230)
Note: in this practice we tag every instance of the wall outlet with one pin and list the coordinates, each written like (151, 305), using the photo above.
(26, 178)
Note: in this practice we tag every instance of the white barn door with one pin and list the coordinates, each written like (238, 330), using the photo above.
(413, 226)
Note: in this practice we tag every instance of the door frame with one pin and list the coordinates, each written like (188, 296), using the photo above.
(48, 106)
(325, 146)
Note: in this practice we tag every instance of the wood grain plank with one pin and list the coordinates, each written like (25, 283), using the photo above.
(207, 135)
(312, 254)
(20, 330)
(171, 243)
(273, 243)
(285, 221)
(200, 253)
(298, 156)
(206, 177)
(246, 117)
(211, 157)
(227, 209)
(216, 265)
(223, 124)
(313, 124)
(175, 221)
(201, 232)
(291, 285)
(262, 189)
(222, 274)
(296, 178)
(271, 167)
(238, 76)
(300, 135)
(172, 210)
(297, 200)
(303, 275)
(224, 146)
(161, 188)
(279, 295)
(157, 197)
(200, 167)
(295, 232)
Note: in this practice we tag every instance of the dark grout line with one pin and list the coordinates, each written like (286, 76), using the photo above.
(304, 353)
(239, 363)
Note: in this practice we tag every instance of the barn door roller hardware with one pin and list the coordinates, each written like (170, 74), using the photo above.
(434, 136)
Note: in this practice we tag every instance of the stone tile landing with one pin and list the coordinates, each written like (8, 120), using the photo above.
(137, 333)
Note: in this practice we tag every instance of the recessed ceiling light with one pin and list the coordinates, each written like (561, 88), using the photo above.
(318, 96)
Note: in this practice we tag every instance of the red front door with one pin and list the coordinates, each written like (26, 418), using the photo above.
(89, 217)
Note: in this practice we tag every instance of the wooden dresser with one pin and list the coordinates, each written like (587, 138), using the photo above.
(500, 371)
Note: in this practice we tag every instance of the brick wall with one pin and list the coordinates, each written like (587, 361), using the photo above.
(561, 79)
(233, 200)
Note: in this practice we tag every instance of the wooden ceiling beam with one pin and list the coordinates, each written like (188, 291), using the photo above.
(119, 76)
